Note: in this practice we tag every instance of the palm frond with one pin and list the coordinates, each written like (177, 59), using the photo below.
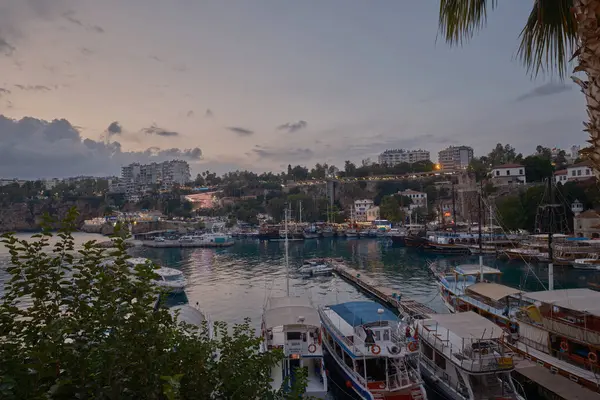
(549, 38)
(460, 19)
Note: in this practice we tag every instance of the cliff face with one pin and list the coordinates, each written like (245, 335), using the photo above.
(27, 216)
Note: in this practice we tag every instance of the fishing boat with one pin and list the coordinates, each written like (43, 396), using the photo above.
(292, 324)
(462, 356)
(368, 352)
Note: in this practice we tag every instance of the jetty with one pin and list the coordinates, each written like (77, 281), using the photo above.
(168, 244)
(386, 295)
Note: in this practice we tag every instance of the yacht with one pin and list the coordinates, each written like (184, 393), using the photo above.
(169, 279)
(462, 356)
(314, 268)
(368, 351)
(192, 315)
(292, 324)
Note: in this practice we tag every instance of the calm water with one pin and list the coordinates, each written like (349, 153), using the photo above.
(234, 283)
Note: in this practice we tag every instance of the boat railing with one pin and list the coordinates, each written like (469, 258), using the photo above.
(447, 379)
(562, 327)
(337, 332)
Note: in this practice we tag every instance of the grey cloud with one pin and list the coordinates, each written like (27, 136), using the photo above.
(190, 113)
(6, 48)
(97, 29)
(155, 58)
(114, 128)
(33, 88)
(31, 148)
(208, 113)
(240, 131)
(70, 16)
(547, 89)
(86, 52)
(4, 92)
(292, 126)
(155, 130)
(283, 154)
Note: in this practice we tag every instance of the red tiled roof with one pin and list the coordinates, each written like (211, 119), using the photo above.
(589, 214)
(508, 166)
(561, 172)
(585, 163)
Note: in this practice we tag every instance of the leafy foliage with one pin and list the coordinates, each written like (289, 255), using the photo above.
(79, 328)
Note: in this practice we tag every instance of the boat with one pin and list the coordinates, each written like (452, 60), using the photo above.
(462, 356)
(445, 244)
(310, 233)
(327, 232)
(368, 352)
(414, 241)
(292, 324)
(587, 263)
(314, 268)
(192, 315)
(170, 279)
(351, 233)
(398, 237)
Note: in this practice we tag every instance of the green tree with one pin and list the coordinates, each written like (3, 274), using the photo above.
(537, 168)
(479, 167)
(390, 208)
(552, 32)
(90, 330)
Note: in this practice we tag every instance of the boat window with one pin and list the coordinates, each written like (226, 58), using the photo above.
(427, 350)
(376, 369)
(171, 278)
(377, 335)
(440, 360)
(386, 334)
(294, 335)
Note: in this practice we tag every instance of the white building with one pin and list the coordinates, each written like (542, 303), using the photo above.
(419, 199)
(398, 156)
(361, 208)
(574, 172)
(507, 174)
(139, 178)
(455, 157)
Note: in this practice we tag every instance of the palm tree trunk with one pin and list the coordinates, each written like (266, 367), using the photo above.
(587, 13)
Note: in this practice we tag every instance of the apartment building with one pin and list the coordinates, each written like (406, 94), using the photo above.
(398, 156)
(455, 158)
(138, 178)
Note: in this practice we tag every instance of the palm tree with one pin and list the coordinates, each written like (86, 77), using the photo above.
(556, 32)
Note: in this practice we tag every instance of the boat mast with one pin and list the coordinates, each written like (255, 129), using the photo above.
(287, 269)
(479, 223)
(453, 208)
(300, 207)
(550, 231)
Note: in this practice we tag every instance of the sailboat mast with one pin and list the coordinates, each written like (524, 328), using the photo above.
(550, 232)
(287, 269)
(453, 208)
(479, 223)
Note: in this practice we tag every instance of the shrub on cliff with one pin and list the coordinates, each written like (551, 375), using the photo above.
(77, 328)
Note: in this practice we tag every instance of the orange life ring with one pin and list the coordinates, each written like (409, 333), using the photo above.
(412, 346)
(375, 349)
(564, 346)
(312, 348)
(593, 357)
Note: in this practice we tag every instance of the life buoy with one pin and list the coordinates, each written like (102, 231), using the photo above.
(593, 357)
(564, 346)
(375, 349)
(312, 348)
(412, 346)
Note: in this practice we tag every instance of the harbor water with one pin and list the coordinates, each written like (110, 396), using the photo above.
(233, 283)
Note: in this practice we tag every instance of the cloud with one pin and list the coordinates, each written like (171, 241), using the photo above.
(6, 48)
(114, 129)
(155, 58)
(190, 114)
(208, 113)
(32, 148)
(85, 51)
(547, 89)
(4, 92)
(292, 126)
(283, 154)
(155, 130)
(33, 88)
(70, 16)
(240, 131)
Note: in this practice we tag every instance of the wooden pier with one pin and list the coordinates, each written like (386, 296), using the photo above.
(384, 294)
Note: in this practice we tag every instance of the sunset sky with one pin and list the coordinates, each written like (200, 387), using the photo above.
(261, 84)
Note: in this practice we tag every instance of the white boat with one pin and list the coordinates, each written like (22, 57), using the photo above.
(314, 268)
(159, 239)
(193, 316)
(292, 324)
(368, 351)
(351, 233)
(327, 231)
(462, 356)
(170, 279)
(592, 263)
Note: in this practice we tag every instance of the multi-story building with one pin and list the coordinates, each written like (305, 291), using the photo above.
(361, 208)
(455, 157)
(138, 178)
(419, 199)
(509, 174)
(398, 156)
(575, 172)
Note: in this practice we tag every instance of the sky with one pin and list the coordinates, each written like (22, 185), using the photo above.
(88, 86)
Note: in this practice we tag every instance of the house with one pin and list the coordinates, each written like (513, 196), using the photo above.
(361, 207)
(373, 214)
(507, 174)
(587, 224)
(419, 199)
(561, 176)
(579, 171)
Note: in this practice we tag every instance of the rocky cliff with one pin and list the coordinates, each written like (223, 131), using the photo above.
(27, 216)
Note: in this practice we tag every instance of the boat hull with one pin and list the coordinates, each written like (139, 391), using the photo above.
(399, 240)
(434, 383)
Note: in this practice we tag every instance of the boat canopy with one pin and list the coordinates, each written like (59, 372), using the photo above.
(475, 269)
(580, 300)
(493, 291)
(357, 313)
(282, 311)
(188, 314)
(469, 325)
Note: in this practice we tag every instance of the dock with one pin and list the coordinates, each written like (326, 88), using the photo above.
(389, 296)
(168, 244)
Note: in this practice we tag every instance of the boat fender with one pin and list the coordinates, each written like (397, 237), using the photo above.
(312, 348)
(375, 349)
(412, 346)
(593, 357)
(564, 346)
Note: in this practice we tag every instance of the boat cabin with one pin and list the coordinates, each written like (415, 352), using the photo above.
(292, 324)
(463, 355)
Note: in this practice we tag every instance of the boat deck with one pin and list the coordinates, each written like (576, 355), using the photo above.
(557, 384)
(385, 294)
